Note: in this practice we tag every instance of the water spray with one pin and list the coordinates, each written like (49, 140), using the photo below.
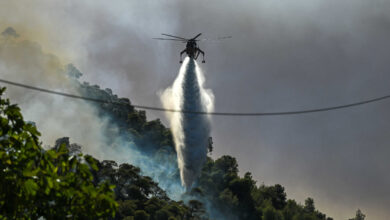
(190, 131)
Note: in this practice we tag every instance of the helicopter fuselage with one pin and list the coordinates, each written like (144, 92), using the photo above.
(191, 49)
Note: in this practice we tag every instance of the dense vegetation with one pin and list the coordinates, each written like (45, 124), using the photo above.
(241, 198)
(60, 182)
(137, 195)
(149, 136)
(52, 184)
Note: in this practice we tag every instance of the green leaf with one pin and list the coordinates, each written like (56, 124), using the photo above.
(31, 187)
(49, 182)
(30, 173)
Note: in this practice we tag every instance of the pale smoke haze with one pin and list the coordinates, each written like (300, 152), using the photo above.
(25, 62)
(190, 131)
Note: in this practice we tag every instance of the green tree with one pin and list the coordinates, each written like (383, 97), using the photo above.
(196, 209)
(227, 164)
(126, 208)
(51, 184)
(359, 215)
(271, 214)
(162, 214)
(290, 210)
(309, 205)
(141, 215)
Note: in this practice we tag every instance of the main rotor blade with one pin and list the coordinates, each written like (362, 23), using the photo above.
(158, 38)
(215, 39)
(174, 36)
(196, 36)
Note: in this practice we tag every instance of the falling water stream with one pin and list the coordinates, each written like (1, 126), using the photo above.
(190, 131)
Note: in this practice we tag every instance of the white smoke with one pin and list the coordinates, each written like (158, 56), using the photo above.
(25, 62)
(190, 131)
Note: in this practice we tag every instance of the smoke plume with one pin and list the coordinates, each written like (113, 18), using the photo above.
(24, 61)
(190, 131)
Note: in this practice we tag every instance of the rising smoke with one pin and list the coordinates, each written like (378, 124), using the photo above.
(190, 131)
(24, 61)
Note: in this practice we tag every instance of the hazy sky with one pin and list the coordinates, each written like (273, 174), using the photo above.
(284, 55)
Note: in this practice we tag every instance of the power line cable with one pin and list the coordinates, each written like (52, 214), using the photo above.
(199, 112)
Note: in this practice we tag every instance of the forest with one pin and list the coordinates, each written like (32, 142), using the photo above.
(62, 183)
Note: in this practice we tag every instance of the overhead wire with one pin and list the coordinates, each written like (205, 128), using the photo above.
(313, 110)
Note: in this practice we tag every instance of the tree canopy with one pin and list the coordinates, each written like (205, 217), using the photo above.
(51, 184)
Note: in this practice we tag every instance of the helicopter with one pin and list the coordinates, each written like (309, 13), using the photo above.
(192, 49)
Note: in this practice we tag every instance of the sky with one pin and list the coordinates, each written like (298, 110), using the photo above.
(283, 55)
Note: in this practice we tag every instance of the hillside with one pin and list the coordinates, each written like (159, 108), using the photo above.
(220, 193)
(224, 193)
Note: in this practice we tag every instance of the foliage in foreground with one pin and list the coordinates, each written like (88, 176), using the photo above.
(51, 184)
(55, 184)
